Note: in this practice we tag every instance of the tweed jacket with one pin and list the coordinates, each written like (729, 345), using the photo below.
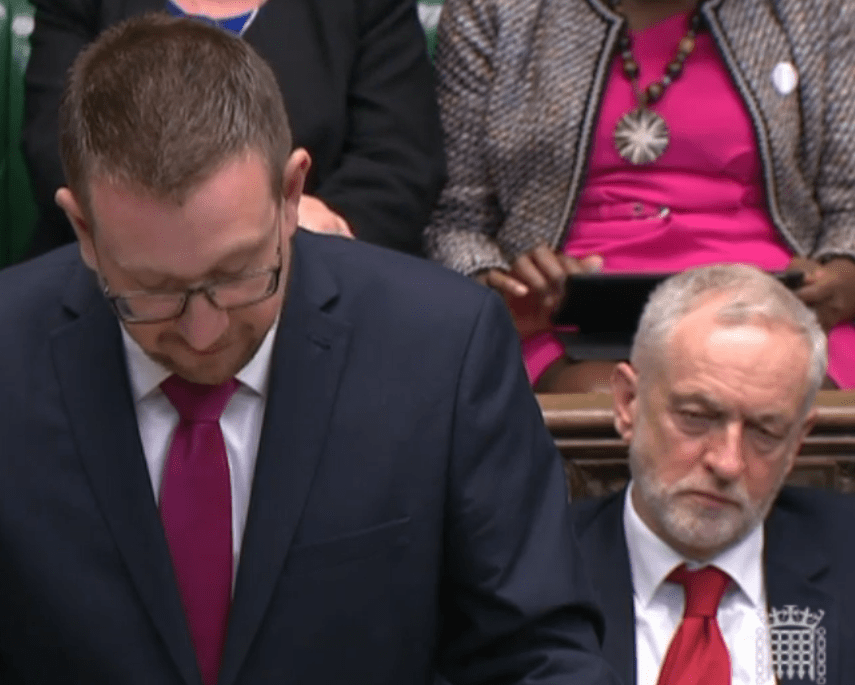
(520, 86)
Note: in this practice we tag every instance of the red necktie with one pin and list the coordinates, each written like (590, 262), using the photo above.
(697, 654)
(196, 509)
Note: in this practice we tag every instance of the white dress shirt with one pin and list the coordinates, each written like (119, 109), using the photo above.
(742, 614)
(240, 423)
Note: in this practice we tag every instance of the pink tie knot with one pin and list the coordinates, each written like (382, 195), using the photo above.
(197, 402)
(704, 589)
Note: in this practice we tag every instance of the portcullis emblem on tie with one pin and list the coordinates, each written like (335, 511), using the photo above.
(798, 644)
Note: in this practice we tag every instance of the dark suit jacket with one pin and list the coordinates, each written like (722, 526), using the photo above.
(356, 82)
(808, 564)
(408, 509)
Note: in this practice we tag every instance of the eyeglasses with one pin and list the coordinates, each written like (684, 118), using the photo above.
(143, 306)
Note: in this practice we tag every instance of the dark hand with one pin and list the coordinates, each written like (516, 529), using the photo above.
(829, 288)
(535, 285)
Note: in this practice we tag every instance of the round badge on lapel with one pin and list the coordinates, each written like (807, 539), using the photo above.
(785, 78)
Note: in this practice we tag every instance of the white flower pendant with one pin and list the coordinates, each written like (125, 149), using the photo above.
(641, 136)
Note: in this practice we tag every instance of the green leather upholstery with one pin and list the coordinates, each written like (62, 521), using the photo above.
(17, 208)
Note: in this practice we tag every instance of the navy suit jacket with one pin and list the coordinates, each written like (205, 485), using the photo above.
(408, 510)
(808, 565)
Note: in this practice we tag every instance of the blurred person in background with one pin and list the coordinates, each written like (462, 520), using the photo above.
(647, 136)
(360, 100)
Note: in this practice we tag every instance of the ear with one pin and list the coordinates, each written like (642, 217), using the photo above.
(624, 382)
(81, 225)
(293, 180)
(804, 430)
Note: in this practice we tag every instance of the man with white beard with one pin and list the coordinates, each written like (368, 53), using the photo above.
(709, 572)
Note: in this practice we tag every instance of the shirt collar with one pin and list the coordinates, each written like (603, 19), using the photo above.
(146, 374)
(651, 559)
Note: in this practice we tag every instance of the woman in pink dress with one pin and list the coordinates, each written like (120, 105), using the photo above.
(651, 136)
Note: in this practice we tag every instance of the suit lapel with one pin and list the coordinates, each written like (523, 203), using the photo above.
(604, 548)
(735, 26)
(799, 606)
(796, 568)
(307, 364)
(92, 376)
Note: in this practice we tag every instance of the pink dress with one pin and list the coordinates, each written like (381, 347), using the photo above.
(701, 202)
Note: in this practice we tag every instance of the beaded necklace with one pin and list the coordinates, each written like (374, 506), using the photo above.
(641, 135)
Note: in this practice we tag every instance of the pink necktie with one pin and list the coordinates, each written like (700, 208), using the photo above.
(196, 509)
(698, 655)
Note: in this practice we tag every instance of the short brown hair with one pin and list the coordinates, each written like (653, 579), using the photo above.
(161, 103)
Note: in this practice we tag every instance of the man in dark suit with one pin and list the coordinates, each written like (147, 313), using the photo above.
(374, 499)
(724, 369)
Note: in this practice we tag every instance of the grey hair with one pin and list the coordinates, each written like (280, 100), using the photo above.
(752, 293)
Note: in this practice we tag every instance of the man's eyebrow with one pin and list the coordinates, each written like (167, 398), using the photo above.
(773, 420)
(678, 400)
(156, 280)
(766, 419)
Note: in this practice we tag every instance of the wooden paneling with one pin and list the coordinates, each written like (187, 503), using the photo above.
(595, 456)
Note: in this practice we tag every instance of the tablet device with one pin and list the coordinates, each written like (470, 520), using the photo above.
(599, 314)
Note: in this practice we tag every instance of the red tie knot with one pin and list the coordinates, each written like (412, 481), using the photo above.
(704, 589)
(197, 402)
